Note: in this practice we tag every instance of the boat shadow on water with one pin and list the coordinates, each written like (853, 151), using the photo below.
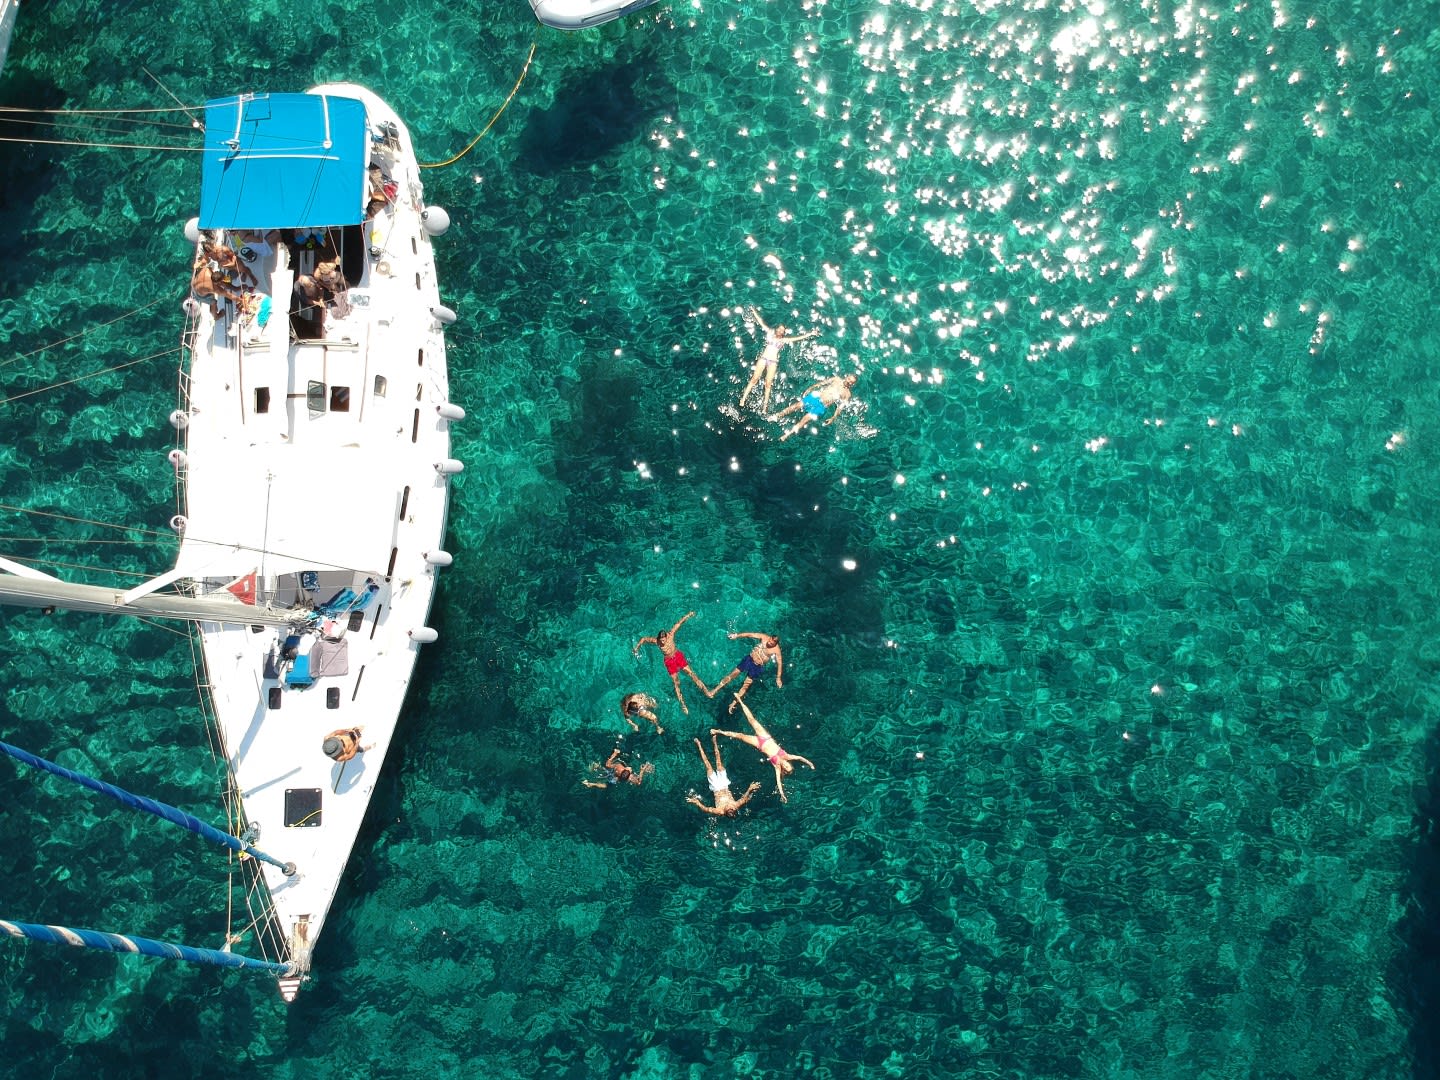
(595, 113)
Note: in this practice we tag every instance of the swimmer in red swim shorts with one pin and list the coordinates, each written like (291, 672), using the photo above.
(675, 661)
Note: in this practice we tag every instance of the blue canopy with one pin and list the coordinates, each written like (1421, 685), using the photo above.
(283, 161)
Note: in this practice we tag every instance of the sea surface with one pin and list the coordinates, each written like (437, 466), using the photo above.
(1109, 611)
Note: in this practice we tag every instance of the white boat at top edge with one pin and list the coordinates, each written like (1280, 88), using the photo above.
(8, 10)
(313, 476)
(583, 14)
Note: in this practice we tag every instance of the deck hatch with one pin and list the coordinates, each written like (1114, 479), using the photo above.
(302, 808)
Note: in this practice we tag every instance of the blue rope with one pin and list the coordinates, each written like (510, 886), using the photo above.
(139, 802)
(119, 943)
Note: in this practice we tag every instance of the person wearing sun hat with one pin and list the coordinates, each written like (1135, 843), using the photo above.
(344, 744)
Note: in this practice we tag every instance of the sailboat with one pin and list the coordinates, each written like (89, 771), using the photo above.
(313, 470)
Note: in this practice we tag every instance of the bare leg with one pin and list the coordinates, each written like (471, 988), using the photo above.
(683, 707)
(715, 742)
(769, 385)
(703, 688)
(739, 693)
(788, 410)
(760, 733)
(754, 378)
(706, 760)
(748, 740)
(796, 429)
(721, 684)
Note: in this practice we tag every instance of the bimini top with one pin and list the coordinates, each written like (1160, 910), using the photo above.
(283, 161)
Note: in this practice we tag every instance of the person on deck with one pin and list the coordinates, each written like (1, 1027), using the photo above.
(344, 744)
(773, 752)
(726, 805)
(675, 661)
(213, 288)
(640, 705)
(769, 360)
(752, 665)
(816, 402)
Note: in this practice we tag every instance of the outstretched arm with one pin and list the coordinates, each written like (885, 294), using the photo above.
(791, 339)
(749, 794)
(779, 668)
(780, 784)
(643, 641)
(756, 316)
(797, 757)
(687, 615)
(744, 633)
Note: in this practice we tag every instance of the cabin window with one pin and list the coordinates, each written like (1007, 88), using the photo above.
(380, 385)
(315, 396)
(262, 399)
(272, 697)
(404, 502)
(332, 695)
(420, 357)
(339, 399)
(415, 428)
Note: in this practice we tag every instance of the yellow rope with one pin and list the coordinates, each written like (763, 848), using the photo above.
(514, 90)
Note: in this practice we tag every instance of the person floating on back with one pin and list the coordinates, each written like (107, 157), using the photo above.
(726, 805)
(769, 359)
(762, 740)
(752, 665)
(675, 661)
(617, 771)
(816, 402)
(640, 705)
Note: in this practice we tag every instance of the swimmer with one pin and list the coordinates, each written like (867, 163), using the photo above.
(640, 705)
(675, 661)
(816, 402)
(616, 771)
(778, 757)
(726, 805)
(752, 665)
(769, 360)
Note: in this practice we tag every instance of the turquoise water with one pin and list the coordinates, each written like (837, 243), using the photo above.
(1109, 615)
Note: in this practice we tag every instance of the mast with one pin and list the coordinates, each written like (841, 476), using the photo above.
(48, 592)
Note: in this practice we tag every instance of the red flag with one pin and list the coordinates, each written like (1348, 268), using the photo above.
(244, 588)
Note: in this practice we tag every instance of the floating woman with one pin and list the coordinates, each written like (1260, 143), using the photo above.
(769, 360)
(774, 753)
(617, 771)
(675, 661)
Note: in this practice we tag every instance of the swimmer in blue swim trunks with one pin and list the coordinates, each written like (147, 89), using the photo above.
(752, 665)
(816, 402)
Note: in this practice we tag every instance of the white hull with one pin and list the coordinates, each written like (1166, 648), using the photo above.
(583, 14)
(309, 494)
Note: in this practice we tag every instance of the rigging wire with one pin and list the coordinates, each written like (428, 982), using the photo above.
(193, 121)
(515, 89)
(82, 333)
(82, 521)
(82, 378)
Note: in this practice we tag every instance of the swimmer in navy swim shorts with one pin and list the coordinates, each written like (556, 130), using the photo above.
(752, 664)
